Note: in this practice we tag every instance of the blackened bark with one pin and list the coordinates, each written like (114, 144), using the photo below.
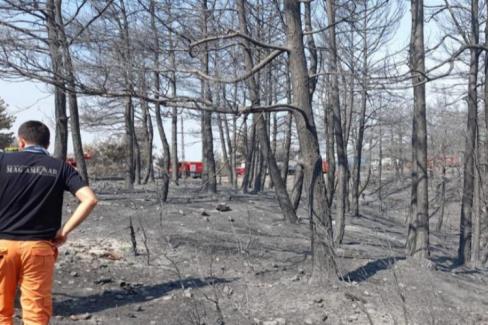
(286, 148)
(225, 155)
(159, 121)
(323, 255)
(261, 128)
(258, 163)
(249, 140)
(61, 137)
(356, 174)
(69, 76)
(149, 132)
(129, 137)
(296, 192)
(137, 159)
(174, 114)
(341, 145)
(209, 178)
(330, 153)
(418, 239)
(466, 227)
(56, 55)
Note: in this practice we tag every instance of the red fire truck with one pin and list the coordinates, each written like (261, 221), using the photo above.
(192, 169)
(71, 160)
(325, 166)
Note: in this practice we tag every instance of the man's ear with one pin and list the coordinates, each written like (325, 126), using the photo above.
(22, 143)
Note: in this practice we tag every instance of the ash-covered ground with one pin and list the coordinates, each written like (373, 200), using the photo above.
(193, 264)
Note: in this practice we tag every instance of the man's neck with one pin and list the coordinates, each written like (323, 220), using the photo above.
(36, 148)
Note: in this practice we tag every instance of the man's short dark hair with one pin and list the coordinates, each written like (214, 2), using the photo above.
(35, 132)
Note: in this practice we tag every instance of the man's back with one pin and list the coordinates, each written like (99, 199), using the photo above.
(31, 194)
(31, 200)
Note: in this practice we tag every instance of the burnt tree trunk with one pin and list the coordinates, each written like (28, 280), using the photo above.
(356, 174)
(209, 177)
(330, 152)
(129, 136)
(148, 139)
(466, 228)
(137, 159)
(159, 121)
(340, 144)
(69, 75)
(286, 149)
(174, 114)
(418, 238)
(56, 55)
(249, 145)
(225, 155)
(323, 256)
(279, 185)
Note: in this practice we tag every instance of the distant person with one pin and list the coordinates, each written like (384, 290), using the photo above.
(31, 198)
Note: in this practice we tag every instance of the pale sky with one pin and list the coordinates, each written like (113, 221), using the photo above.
(29, 100)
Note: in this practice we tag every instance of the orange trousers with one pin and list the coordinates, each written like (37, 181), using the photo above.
(28, 265)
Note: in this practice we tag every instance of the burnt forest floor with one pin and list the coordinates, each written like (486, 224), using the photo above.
(197, 265)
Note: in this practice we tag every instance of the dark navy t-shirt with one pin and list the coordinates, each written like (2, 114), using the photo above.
(31, 194)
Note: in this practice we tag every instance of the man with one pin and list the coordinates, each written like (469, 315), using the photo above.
(31, 198)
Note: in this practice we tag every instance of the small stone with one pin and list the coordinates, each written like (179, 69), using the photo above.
(325, 317)
(277, 321)
(228, 291)
(366, 293)
(352, 318)
(231, 219)
(295, 278)
(308, 321)
(222, 207)
(139, 309)
(206, 219)
(318, 300)
(166, 298)
(75, 318)
(74, 274)
(204, 213)
(59, 317)
(103, 281)
(187, 293)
